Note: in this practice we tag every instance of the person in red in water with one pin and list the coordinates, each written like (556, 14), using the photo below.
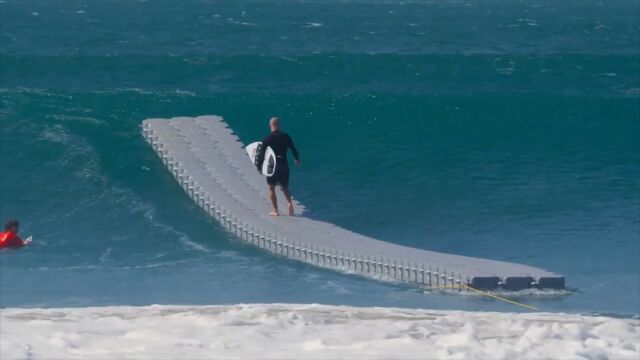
(9, 237)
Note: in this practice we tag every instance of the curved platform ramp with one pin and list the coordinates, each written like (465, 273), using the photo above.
(209, 161)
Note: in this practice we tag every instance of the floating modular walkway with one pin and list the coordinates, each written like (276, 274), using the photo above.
(209, 162)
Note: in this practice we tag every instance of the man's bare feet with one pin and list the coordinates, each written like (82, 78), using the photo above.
(291, 212)
(274, 213)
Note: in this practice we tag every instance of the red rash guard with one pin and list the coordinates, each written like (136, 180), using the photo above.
(10, 239)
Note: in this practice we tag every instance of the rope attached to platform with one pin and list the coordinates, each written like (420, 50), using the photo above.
(487, 294)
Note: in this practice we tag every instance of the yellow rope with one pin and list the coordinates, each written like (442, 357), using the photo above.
(487, 294)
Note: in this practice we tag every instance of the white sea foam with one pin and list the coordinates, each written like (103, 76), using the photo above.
(80, 119)
(308, 331)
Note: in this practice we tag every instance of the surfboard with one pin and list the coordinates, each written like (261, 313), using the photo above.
(28, 240)
(269, 163)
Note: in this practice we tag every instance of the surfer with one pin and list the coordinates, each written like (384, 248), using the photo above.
(280, 142)
(9, 237)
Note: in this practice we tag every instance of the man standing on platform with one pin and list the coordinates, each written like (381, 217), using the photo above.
(279, 142)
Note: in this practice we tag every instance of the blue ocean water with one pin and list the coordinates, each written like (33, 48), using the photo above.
(499, 129)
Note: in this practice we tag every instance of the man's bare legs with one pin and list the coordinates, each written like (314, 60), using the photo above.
(274, 200)
(287, 195)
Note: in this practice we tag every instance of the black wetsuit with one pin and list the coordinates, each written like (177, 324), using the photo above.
(280, 142)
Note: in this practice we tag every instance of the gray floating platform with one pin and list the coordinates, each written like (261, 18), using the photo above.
(209, 162)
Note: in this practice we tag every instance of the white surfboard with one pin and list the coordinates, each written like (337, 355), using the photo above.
(269, 163)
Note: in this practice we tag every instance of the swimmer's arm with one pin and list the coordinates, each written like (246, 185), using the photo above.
(18, 242)
(294, 150)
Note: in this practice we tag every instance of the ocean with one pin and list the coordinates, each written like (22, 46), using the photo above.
(501, 129)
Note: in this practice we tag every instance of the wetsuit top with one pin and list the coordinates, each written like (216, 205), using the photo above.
(10, 239)
(280, 142)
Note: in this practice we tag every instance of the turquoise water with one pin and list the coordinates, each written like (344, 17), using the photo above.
(495, 129)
